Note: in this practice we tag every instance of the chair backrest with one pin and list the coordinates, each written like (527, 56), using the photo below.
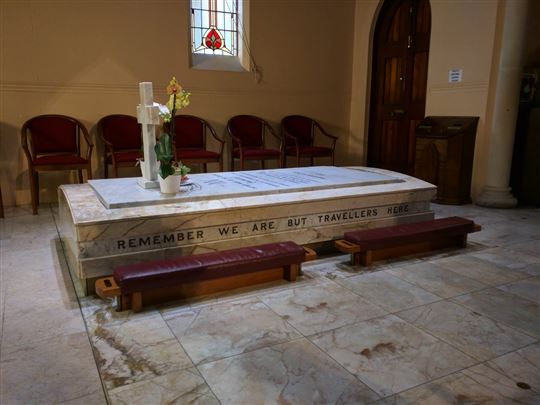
(50, 134)
(300, 127)
(248, 128)
(122, 131)
(190, 132)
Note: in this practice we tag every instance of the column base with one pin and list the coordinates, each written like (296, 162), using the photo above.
(496, 197)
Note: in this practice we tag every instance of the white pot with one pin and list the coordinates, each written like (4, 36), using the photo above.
(169, 185)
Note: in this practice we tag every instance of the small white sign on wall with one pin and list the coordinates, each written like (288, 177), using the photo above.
(455, 75)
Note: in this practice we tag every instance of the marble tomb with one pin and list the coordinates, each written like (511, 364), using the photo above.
(106, 223)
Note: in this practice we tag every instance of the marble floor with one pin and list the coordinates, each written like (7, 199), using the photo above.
(457, 326)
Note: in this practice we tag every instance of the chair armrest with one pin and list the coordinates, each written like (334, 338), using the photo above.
(273, 133)
(291, 137)
(332, 137)
(89, 144)
(24, 143)
(217, 138)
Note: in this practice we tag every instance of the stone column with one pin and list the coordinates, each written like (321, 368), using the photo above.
(496, 191)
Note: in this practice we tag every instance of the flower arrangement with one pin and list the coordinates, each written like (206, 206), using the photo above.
(178, 99)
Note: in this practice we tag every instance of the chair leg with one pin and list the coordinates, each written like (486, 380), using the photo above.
(205, 168)
(1, 205)
(241, 162)
(311, 161)
(88, 172)
(262, 164)
(115, 170)
(232, 163)
(221, 165)
(79, 173)
(333, 159)
(297, 160)
(106, 168)
(33, 191)
(36, 179)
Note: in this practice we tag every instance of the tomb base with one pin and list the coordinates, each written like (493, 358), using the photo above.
(113, 222)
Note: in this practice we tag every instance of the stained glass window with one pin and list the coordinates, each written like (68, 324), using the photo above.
(214, 27)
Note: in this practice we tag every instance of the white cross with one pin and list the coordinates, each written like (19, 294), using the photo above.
(148, 116)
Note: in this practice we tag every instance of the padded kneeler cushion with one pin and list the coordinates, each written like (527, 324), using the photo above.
(379, 238)
(161, 273)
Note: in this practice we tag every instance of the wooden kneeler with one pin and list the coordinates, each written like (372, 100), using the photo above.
(194, 275)
(366, 246)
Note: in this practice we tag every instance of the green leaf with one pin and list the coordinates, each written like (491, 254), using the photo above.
(164, 153)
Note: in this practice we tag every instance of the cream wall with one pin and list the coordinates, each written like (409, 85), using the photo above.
(85, 59)
(462, 36)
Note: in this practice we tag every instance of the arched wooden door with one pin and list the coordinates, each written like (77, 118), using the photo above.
(398, 84)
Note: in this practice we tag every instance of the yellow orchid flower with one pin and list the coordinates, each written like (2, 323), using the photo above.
(174, 87)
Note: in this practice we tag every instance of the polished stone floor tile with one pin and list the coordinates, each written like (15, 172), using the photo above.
(476, 385)
(390, 355)
(44, 259)
(317, 308)
(99, 313)
(248, 344)
(137, 350)
(530, 247)
(387, 291)
(483, 271)
(503, 232)
(48, 288)
(337, 266)
(32, 325)
(179, 387)
(470, 332)
(528, 288)
(437, 280)
(213, 332)
(521, 366)
(290, 373)
(511, 260)
(97, 398)
(55, 370)
(510, 309)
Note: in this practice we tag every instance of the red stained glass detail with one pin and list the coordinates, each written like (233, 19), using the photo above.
(213, 39)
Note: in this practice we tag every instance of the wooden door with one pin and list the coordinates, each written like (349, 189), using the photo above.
(398, 86)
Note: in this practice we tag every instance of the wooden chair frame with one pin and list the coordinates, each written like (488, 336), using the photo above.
(203, 160)
(33, 170)
(314, 125)
(110, 149)
(236, 143)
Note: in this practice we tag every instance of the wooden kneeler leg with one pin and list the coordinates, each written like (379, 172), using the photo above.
(290, 272)
(347, 247)
(136, 302)
(366, 258)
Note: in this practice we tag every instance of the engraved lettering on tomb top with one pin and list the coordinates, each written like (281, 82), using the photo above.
(121, 193)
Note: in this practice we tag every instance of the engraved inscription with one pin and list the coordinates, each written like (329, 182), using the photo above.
(246, 229)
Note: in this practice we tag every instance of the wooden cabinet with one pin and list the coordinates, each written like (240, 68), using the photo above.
(444, 156)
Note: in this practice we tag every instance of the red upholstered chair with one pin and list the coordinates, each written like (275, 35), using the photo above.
(248, 140)
(299, 137)
(122, 137)
(53, 142)
(190, 141)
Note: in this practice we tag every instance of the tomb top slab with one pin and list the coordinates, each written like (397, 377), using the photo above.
(124, 193)
(86, 205)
